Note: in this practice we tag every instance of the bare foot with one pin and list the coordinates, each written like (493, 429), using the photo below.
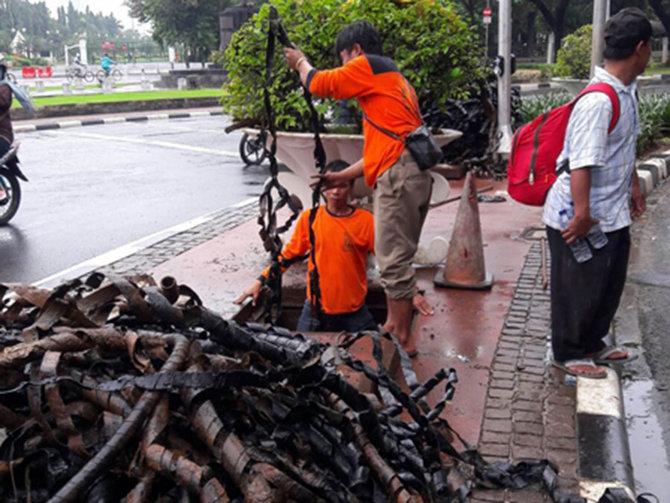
(421, 304)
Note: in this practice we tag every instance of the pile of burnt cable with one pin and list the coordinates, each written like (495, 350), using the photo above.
(115, 390)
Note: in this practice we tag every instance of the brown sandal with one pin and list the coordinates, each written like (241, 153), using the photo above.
(584, 367)
(608, 355)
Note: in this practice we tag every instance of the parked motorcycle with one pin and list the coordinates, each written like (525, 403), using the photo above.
(10, 190)
(252, 149)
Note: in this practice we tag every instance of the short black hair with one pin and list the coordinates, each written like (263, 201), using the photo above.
(362, 33)
(618, 53)
(337, 166)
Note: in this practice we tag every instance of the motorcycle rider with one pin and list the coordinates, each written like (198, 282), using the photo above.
(6, 131)
(8, 91)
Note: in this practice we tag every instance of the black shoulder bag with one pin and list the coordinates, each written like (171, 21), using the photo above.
(421, 144)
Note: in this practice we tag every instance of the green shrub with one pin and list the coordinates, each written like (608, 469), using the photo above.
(534, 106)
(574, 57)
(39, 62)
(546, 69)
(432, 46)
(654, 118)
(21, 62)
(217, 57)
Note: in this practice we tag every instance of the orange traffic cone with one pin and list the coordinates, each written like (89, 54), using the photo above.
(465, 267)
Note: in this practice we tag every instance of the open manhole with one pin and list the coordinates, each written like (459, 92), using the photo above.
(292, 301)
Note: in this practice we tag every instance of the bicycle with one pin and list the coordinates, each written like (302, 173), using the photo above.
(11, 77)
(115, 74)
(74, 72)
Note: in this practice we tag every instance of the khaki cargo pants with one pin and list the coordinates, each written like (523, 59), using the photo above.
(401, 200)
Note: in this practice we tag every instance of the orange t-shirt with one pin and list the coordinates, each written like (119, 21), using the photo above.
(386, 98)
(342, 246)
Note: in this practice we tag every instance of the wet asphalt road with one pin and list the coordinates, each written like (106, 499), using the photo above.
(647, 379)
(93, 189)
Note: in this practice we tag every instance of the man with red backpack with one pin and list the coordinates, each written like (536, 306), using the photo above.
(598, 191)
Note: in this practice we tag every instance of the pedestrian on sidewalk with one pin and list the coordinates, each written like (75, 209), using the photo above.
(602, 184)
(401, 190)
(343, 237)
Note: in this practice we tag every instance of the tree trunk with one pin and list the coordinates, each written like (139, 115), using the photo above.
(661, 13)
(556, 21)
(531, 34)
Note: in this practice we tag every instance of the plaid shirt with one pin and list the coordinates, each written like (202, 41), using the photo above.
(611, 156)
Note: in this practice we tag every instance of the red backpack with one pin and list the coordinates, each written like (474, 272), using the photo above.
(536, 146)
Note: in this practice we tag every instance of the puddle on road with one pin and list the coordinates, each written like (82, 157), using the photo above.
(651, 466)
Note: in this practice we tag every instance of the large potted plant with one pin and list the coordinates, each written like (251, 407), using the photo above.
(573, 61)
(432, 45)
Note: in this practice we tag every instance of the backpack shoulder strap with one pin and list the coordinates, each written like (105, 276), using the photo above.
(602, 87)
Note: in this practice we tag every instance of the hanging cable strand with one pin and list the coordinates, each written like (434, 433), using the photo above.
(267, 219)
(277, 31)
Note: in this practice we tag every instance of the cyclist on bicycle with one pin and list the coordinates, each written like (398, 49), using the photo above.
(78, 67)
(107, 63)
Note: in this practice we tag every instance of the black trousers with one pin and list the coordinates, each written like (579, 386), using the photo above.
(585, 297)
(4, 147)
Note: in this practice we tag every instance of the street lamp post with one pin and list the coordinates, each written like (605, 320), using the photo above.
(504, 70)
(598, 41)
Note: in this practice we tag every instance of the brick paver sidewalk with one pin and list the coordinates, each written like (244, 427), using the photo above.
(530, 412)
(164, 250)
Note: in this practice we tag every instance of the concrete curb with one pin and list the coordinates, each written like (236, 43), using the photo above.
(653, 171)
(604, 455)
(602, 439)
(25, 128)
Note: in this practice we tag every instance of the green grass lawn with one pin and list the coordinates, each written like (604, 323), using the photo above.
(656, 69)
(116, 97)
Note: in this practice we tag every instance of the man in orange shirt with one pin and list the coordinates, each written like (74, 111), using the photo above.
(343, 237)
(401, 190)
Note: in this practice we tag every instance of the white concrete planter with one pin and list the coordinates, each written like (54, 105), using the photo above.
(572, 86)
(296, 151)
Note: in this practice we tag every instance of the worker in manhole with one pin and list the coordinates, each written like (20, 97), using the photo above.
(343, 237)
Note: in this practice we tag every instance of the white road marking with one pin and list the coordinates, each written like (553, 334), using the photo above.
(157, 143)
(124, 251)
(121, 252)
